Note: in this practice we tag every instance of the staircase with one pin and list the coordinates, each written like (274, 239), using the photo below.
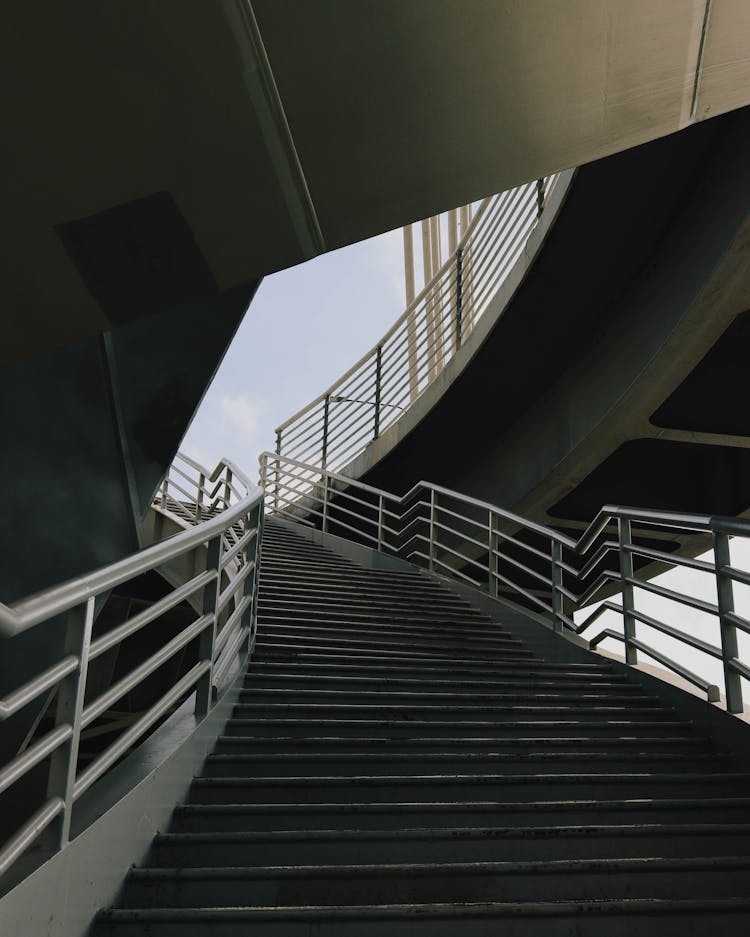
(400, 763)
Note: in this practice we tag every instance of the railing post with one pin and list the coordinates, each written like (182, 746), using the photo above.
(164, 489)
(199, 499)
(207, 643)
(625, 536)
(492, 555)
(380, 522)
(378, 365)
(539, 197)
(70, 699)
(459, 294)
(729, 646)
(250, 585)
(325, 503)
(278, 473)
(324, 448)
(433, 513)
(227, 487)
(557, 596)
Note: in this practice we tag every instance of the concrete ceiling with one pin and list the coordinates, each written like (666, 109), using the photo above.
(153, 151)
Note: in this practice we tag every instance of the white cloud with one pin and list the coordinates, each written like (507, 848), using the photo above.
(241, 412)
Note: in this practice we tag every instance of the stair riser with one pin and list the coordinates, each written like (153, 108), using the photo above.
(303, 728)
(382, 628)
(313, 663)
(459, 746)
(381, 635)
(233, 767)
(511, 789)
(364, 642)
(307, 817)
(256, 679)
(393, 697)
(405, 888)
(641, 923)
(404, 849)
(506, 713)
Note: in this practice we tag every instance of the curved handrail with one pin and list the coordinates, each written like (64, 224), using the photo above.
(391, 375)
(218, 558)
(501, 552)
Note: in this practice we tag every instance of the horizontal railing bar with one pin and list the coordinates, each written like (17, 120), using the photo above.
(699, 604)
(234, 584)
(123, 744)
(134, 624)
(455, 572)
(540, 577)
(677, 633)
(671, 558)
(738, 621)
(230, 652)
(524, 592)
(230, 623)
(29, 832)
(35, 753)
(38, 685)
(238, 546)
(138, 674)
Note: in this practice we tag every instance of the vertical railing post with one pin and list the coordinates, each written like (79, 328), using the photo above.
(164, 489)
(539, 197)
(278, 473)
(378, 369)
(492, 555)
(207, 643)
(199, 498)
(324, 447)
(380, 522)
(433, 518)
(250, 586)
(625, 536)
(459, 294)
(70, 698)
(325, 502)
(227, 487)
(729, 646)
(557, 595)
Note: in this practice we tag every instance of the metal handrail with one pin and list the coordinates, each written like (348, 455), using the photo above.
(221, 553)
(379, 387)
(461, 536)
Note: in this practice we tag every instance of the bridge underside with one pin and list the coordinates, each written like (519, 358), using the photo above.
(161, 154)
(616, 372)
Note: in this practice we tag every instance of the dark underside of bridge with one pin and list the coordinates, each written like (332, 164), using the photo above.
(616, 372)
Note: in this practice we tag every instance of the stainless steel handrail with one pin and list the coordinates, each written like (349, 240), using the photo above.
(379, 387)
(503, 553)
(220, 547)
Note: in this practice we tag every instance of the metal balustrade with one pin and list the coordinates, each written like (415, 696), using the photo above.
(223, 512)
(372, 395)
(509, 556)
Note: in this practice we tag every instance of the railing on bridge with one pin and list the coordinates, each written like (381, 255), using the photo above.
(220, 548)
(372, 395)
(509, 556)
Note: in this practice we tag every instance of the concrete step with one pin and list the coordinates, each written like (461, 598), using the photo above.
(636, 808)
(270, 635)
(382, 634)
(449, 712)
(459, 670)
(353, 788)
(461, 743)
(399, 727)
(367, 610)
(242, 764)
(389, 696)
(398, 883)
(270, 646)
(690, 917)
(435, 627)
(450, 844)
(259, 677)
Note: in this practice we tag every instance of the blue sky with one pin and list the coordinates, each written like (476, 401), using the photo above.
(305, 327)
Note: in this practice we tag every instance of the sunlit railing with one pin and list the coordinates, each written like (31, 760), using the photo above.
(509, 556)
(372, 395)
(219, 553)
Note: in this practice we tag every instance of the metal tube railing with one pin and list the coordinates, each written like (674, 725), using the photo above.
(510, 556)
(413, 352)
(222, 515)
